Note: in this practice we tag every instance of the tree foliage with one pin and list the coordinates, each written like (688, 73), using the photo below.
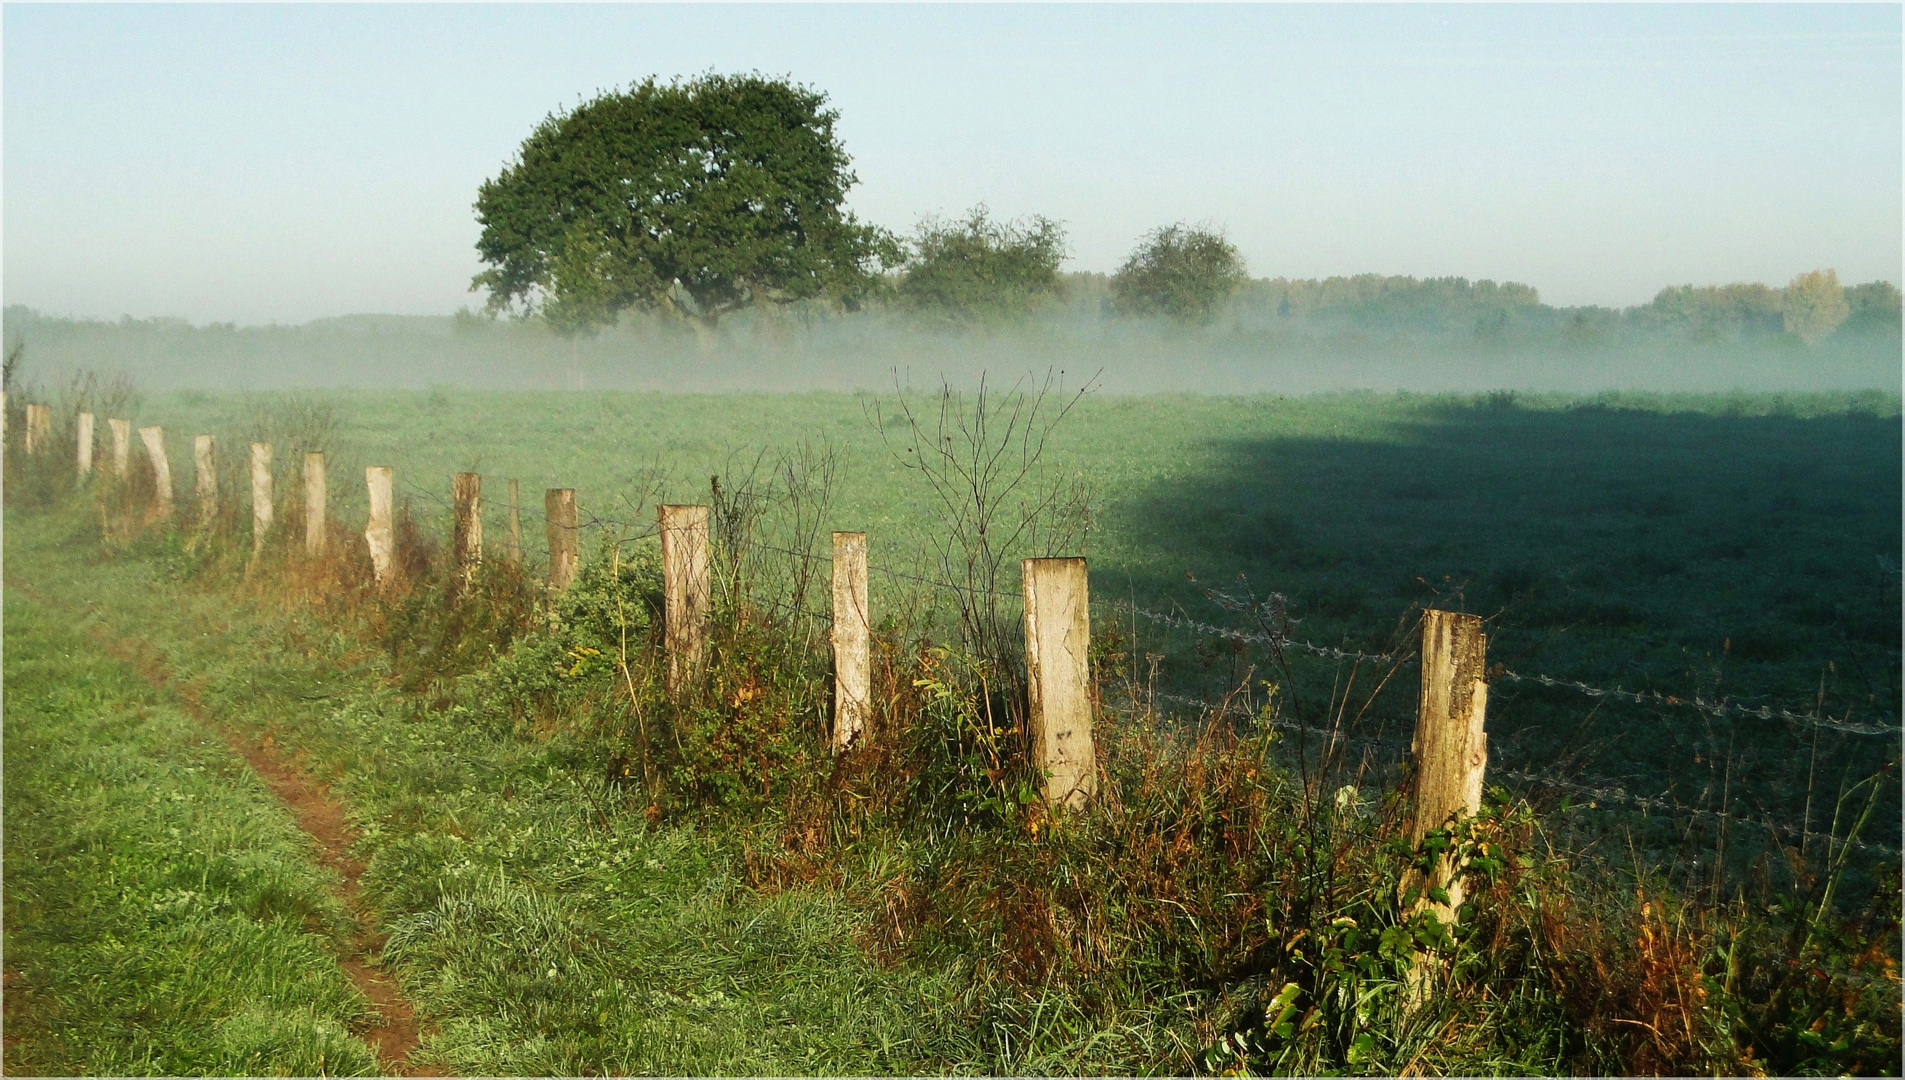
(1395, 304)
(1814, 305)
(980, 268)
(1874, 308)
(696, 198)
(1713, 311)
(1183, 271)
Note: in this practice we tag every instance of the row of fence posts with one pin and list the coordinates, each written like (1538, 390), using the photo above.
(1450, 747)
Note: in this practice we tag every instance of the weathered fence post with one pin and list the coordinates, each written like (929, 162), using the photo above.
(154, 438)
(121, 446)
(1058, 676)
(260, 494)
(313, 503)
(466, 491)
(85, 447)
(558, 511)
(381, 533)
(686, 591)
(515, 526)
(852, 638)
(205, 468)
(39, 427)
(1451, 754)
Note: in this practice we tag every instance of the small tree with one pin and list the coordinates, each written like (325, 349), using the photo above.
(1814, 305)
(979, 268)
(1185, 272)
(695, 198)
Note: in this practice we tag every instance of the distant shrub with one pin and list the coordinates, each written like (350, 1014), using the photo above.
(981, 268)
(1183, 271)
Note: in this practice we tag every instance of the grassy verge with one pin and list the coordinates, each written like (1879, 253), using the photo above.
(581, 873)
(163, 912)
(537, 933)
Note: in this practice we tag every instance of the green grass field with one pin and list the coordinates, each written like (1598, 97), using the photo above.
(164, 914)
(1723, 545)
(542, 921)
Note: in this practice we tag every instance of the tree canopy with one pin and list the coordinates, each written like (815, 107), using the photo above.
(981, 268)
(1814, 305)
(697, 198)
(1183, 271)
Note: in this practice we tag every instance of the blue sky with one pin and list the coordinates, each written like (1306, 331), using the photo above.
(280, 163)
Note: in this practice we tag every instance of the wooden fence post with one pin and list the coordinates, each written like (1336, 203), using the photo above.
(1450, 751)
(558, 511)
(381, 533)
(313, 503)
(121, 446)
(515, 526)
(39, 428)
(466, 491)
(1058, 675)
(852, 640)
(85, 447)
(260, 494)
(205, 467)
(686, 591)
(154, 438)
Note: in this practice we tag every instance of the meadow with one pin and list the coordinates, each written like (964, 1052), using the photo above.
(1723, 545)
(1730, 547)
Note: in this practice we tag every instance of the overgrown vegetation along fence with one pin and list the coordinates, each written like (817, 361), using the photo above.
(1215, 844)
(684, 539)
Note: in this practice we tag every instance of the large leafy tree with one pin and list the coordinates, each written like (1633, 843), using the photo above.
(696, 198)
(1183, 271)
(980, 268)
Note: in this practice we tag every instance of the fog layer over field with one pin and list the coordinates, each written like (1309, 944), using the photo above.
(1375, 333)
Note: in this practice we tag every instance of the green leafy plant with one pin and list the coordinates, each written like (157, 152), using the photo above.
(978, 268)
(1182, 271)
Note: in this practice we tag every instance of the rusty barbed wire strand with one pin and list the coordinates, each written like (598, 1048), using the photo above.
(1598, 788)
(1499, 673)
(1711, 708)
(1273, 641)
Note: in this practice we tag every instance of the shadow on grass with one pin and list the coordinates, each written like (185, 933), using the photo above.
(1752, 556)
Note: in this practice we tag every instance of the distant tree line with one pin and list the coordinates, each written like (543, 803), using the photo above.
(697, 199)
(1812, 308)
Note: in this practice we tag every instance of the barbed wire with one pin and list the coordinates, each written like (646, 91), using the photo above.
(1711, 708)
(1719, 709)
(586, 520)
(1610, 792)
(896, 574)
(1597, 788)
(1273, 641)
(1594, 788)
(1279, 722)
(1498, 674)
